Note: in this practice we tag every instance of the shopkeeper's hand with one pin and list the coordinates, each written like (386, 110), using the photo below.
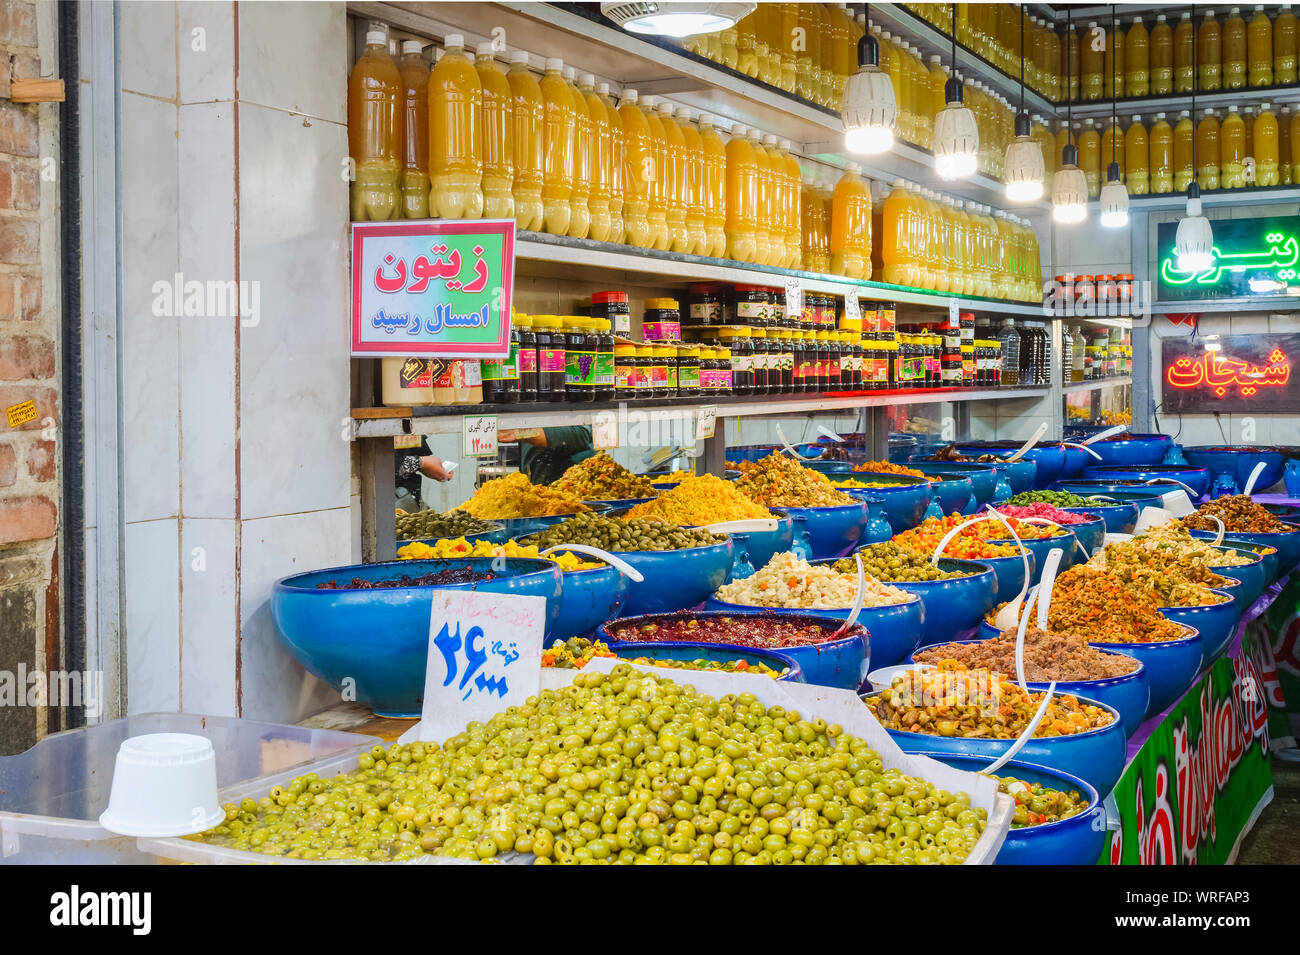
(432, 468)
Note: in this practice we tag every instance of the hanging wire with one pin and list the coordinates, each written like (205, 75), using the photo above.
(1069, 73)
(1022, 57)
(1114, 81)
(1195, 80)
(953, 14)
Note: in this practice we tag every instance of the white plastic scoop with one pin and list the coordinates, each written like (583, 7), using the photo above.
(1222, 530)
(622, 566)
(858, 601)
(1081, 447)
(788, 446)
(746, 526)
(1103, 435)
(830, 434)
(1254, 476)
(1042, 430)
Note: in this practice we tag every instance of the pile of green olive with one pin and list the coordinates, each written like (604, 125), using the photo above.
(616, 533)
(624, 767)
(425, 525)
(887, 561)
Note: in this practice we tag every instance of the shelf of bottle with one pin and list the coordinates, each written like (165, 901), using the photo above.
(445, 419)
(651, 66)
(1127, 107)
(1212, 198)
(551, 256)
(1096, 384)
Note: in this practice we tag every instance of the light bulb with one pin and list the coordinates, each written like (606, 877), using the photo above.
(956, 139)
(868, 109)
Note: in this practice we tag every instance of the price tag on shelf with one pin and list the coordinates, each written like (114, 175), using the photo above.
(793, 299)
(706, 422)
(478, 435)
(604, 430)
(954, 314)
(404, 442)
(852, 305)
(485, 655)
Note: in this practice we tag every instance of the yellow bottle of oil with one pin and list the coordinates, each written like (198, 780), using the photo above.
(1184, 134)
(376, 132)
(414, 70)
(602, 160)
(528, 143)
(1161, 163)
(560, 135)
(617, 228)
(455, 135)
(638, 171)
(498, 136)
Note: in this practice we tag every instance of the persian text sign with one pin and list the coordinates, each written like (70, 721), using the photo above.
(1244, 373)
(1250, 258)
(434, 287)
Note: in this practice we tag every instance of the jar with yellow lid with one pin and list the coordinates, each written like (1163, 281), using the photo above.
(625, 371)
(665, 369)
(739, 340)
(662, 320)
(645, 372)
(689, 359)
(604, 372)
(579, 359)
(527, 359)
(723, 382)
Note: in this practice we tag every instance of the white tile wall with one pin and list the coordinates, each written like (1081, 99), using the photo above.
(148, 42)
(152, 617)
(209, 620)
(291, 57)
(206, 50)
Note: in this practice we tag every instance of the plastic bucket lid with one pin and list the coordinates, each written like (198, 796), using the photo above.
(164, 784)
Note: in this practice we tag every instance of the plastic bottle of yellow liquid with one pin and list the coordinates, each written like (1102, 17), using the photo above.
(1161, 164)
(1162, 57)
(793, 199)
(845, 50)
(559, 139)
(1003, 281)
(1294, 136)
(1137, 60)
(1266, 147)
(1040, 134)
(1248, 120)
(812, 210)
(1284, 46)
(932, 229)
(1137, 174)
(715, 189)
(1091, 83)
(925, 277)
(746, 58)
(1234, 51)
(1090, 156)
(414, 71)
(952, 255)
(1184, 134)
(638, 171)
(1114, 66)
(697, 242)
(498, 136)
(660, 236)
(579, 209)
(894, 253)
(789, 58)
(1207, 151)
(376, 132)
(527, 139)
(806, 69)
(1209, 54)
(602, 160)
(964, 248)
(825, 41)
(728, 54)
(1232, 150)
(769, 43)
(674, 180)
(851, 225)
(1112, 147)
(455, 135)
(762, 192)
(1184, 55)
(770, 210)
(742, 197)
(1284, 146)
(1259, 49)
(617, 232)
(983, 250)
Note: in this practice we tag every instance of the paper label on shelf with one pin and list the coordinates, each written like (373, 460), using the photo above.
(478, 435)
(954, 314)
(793, 299)
(404, 442)
(604, 430)
(485, 655)
(852, 305)
(706, 422)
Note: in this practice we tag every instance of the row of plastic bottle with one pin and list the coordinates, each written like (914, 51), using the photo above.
(1094, 61)
(807, 49)
(1239, 150)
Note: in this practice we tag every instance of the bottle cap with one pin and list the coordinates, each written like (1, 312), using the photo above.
(568, 73)
(408, 46)
(739, 130)
(629, 96)
(786, 145)
(1160, 116)
(853, 168)
(769, 140)
(686, 114)
(586, 79)
(376, 38)
(666, 108)
(483, 49)
(649, 102)
(454, 41)
(1137, 119)
(519, 56)
(602, 89)
(554, 64)
(706, 118)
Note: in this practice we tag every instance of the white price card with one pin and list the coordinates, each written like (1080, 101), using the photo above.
(954, 315)
(485, 654)
(706, 422)
(604, 430)
(793, 299)
(478, 435)
(852, 305)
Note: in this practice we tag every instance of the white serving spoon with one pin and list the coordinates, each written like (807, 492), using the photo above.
(857, 603)
(1042, 430)
(1081, 447)
(1103, 435)
(1254, 476)
(745, 526)
(830, 434)
(623, 566)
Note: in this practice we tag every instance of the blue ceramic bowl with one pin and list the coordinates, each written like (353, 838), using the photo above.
(1048, 457)
(1198, 479)
(1234, 588)
(1020, 475)
(1010, 573)
(1236, 463)
(1042, 546)
(1170, 666)
(894, 629)
(1128, 694)
(495, 536)
(829, 468)
(590, 597)
(517, 527)
(1123, 489)
(1265, 552)
(840, 663)
(380, 637)
(676, 579)
(905, 499)
(954, 494)
(751, 452)
(1116, 518)
(1217, 624)
(1287, 545)
(1253, 576)
(760, 546)
(832, 531)
(983, 477)
(716, 652)
(1132, 449)
(1078, 840)
(1076, 459)
(877, 529)
(617, 504)
(1089, 534)
(953, 607)
(1096, 756)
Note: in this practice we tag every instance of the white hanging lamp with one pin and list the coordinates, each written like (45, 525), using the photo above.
(1194, 242)
(1023, 170)
(956, 139)
(1114, 200)
(868, 110)
(1069, 189)
(680, 18)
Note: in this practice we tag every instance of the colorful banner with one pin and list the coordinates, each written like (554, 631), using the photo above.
(1273, 642)
(433, 288)
(1195, 786)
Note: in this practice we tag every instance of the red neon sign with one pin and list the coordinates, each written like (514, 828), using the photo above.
(1219, 373)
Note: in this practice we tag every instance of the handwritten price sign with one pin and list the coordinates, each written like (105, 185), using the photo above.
(478, 435)
(435, 287)
(485, 654)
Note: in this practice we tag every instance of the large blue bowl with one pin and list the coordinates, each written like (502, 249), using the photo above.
(1020, 476)
(954, 494)
(1132, 449)
(1078, 840)
(1198, 479)
(1287, 545)
(983, 477)
(829, 468)
(1266, 552)
(1076, 459)
(1010, 573)
(841, 663)
(832, 531)
(1123, 489)
(1216, 622)
(1090, 534)
(379, 638)
(716, 652)
(517, 527)
(1235, 589)
(1042, 546)
(1236, 463)
(1048, 457)
(905, 498)
(1096, 756)
(1253, 576)
(894, 629)
(760, 546)
(590, 598)
(1128, 694)
(676, 579)
(1170, 666)
(952, 607)
(1116, 518)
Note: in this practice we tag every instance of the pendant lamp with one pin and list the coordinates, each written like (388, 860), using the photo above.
(868, 109)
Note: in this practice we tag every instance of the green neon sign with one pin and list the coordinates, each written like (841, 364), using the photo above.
(1250, 258)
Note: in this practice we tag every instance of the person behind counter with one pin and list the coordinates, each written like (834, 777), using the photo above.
(546, 453)
(411, 468)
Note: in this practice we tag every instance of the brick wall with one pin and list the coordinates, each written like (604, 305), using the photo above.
(29, 359)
